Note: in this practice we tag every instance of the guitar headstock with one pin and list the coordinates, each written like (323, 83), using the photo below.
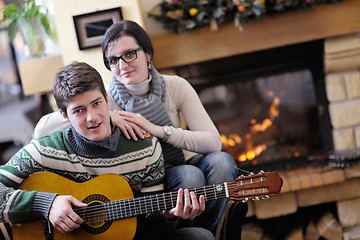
(254, 186)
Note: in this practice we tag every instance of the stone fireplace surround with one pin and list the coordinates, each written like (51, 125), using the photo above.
(315, 184)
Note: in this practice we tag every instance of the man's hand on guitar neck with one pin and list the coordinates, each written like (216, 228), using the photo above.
(62, 215)
(188, 205)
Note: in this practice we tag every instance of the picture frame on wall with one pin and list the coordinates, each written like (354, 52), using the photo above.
(91, 27)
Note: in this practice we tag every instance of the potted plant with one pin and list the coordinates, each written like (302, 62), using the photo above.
(31, 21)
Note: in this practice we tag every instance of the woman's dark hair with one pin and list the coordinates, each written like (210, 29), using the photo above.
(126, 28)
(75, 79)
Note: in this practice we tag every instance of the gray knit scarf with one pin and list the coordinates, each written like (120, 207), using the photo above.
(152, 108)
(92, 149)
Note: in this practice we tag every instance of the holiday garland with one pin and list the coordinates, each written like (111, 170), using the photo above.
(184, 15)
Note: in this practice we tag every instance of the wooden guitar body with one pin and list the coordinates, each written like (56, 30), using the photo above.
(108, 187)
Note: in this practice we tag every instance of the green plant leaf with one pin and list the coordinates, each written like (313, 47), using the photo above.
(32, 12)
(45, 22)
(27, 11)
(12, 30)
(48, 27)
(9, 10)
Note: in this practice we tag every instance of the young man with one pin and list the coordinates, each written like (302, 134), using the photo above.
(90, 147)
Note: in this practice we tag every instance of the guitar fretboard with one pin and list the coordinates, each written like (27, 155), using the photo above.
(158, 202)
(146, 204)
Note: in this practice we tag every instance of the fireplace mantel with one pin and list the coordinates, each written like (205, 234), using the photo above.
(324, 21)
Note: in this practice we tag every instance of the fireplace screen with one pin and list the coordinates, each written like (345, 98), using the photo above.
(267, 120)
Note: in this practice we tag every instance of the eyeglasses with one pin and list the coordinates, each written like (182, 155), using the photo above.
(127, 57)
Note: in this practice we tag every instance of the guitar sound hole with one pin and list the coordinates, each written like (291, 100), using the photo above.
(95, 218)
(95, 214)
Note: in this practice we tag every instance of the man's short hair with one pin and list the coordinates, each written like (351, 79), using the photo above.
(74, 79)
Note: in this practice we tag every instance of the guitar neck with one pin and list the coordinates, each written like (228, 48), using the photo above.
(242, 188)
(141, 205)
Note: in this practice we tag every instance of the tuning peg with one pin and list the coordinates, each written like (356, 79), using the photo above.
(261, 171)
(252, 174)
(256, 198)
(265, 197)
(245, 200)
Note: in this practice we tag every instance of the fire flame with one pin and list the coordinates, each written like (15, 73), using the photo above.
(230, 141)
(251, 152)
(267, 122)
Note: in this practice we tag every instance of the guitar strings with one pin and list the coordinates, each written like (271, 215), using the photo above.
(130, 207)
(151, 203)
(145, 204)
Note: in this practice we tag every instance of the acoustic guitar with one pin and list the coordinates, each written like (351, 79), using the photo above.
(109, 198)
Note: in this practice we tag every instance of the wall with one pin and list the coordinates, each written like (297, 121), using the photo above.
(64, 10)
(342, 62)
(153, 27)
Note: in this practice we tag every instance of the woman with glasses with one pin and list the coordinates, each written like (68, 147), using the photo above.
(153, 102)
(147, 101)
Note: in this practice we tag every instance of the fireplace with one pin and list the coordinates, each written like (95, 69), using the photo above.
(270, 106)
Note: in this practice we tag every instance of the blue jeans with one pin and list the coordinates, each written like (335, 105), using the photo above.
(202, 170)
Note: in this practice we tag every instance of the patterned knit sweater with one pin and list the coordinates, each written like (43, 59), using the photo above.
(140, 161)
